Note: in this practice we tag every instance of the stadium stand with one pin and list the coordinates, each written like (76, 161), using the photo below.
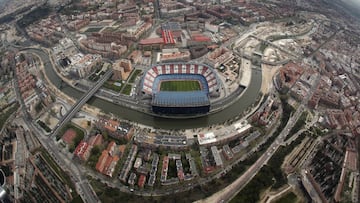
(179, 69)
(180, 102)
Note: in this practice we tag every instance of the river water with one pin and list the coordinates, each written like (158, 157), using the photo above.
(249, 96)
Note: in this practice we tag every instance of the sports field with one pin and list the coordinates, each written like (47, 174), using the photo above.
(180, 85)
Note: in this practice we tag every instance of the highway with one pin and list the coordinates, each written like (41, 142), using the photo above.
(74, 109)
(231, 191)
(86, 96)
(83, 187)
(255, 168)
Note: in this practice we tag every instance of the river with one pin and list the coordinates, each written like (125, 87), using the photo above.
(249, 97)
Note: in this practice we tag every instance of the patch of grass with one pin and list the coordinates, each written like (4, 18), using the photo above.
(270, 175)
(180, 85)
(33, 16)
(172, 172)
(64, 176)
(134, 75)
(111, 86)
(289, 197)
(94, 156)
(77, 199)
(279, 37)
(76, 141)
(262, 48)
(93, 29)
(298, 125)
(4, 115)
(110, 29)
(126, 90)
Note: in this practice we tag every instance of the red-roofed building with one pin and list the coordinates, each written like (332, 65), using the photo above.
(122, 149)
(111, 147)
(168, 37)
(101, 161)
(107, 161)
(180, 175)
(83, 150)
(201, 38)
(110, 166)
(111, 125)
(152, 43)
(288, 75)
(68, 136)
(209, 169)
(141, 181)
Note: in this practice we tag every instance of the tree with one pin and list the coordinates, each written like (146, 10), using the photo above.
(95, 150)
(105, 135)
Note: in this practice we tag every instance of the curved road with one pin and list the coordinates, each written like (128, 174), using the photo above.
(128, 109)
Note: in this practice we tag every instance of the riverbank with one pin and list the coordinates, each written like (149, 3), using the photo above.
(249, 96)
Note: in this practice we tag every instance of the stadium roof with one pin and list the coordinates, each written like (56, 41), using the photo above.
(180, 99)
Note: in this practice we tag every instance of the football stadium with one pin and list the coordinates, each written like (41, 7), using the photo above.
(178, 88)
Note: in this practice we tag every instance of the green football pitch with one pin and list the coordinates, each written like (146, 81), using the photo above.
(180, 85)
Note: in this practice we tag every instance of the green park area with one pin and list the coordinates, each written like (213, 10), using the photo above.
(289, 197)
(111, 85)
(126, 90)
(5, 114)
(93, 29)
(134, 75)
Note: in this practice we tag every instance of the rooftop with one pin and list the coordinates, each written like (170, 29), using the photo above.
(180, 99)
(152, 41)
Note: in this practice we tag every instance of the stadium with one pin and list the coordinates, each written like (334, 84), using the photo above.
(178, 88)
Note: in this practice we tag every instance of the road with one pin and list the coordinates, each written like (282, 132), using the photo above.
(86, 96)
(230, 192)
(83, 187)
(74, 109)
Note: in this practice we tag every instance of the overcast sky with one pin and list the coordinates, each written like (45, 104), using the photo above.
(353, 3)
